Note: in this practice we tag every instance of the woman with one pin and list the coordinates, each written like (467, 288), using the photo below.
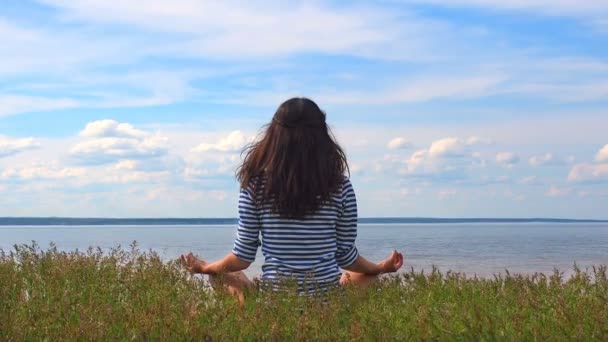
(296, 197)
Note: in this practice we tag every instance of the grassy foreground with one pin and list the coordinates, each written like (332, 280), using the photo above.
(130, 294)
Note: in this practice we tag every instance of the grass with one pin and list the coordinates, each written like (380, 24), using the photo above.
(133, 294)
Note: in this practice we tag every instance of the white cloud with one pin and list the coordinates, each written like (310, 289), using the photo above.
(201, 166)
(602, 155)
(574, 90)
(472, 141)
(111, 128)
(126, 165)
(453, 147)
(16, 104)
(131, 176)
(235, 29)
(419, 89)
(54, 51)
(588, 172)
(356, 169)
(192, 173)
(415, 161)
(9, 147)
(447, 147)
(52, 171)
(234, 142)
(545, 7)
(110, 141)
(507, 159)
(398, 143)
(541, 160)
(444, 157)
(555, 191)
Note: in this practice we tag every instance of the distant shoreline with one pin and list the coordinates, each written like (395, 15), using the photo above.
(72, 221)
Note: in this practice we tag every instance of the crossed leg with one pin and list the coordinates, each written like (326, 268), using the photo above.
(233, 283)
(357, 279)
(236, 283)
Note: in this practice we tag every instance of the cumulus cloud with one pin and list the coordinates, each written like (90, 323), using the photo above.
(507, 159)
(109, 141)
(234, 142)
(415, 161)
(444, 156)
(591, 172)
(446, 147)
(111, 128)
(474, 140)
(588, 172)
(398, 143)
(453, 147)
(200, 166)
(9, 147)
(602, 155)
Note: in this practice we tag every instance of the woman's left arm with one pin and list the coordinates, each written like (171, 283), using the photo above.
(245, 244)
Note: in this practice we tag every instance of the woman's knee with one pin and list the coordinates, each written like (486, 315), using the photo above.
(357, 279)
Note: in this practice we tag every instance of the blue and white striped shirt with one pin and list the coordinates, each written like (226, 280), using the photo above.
(311, 249)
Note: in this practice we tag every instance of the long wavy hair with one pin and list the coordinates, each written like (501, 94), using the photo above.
(296, 162)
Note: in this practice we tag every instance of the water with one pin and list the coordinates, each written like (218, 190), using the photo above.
(482, 249)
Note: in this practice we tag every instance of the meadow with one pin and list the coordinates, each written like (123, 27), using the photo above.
(128, 293)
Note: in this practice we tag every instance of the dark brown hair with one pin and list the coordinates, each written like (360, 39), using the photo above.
(297, 157)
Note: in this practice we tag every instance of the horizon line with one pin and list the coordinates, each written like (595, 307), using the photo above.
(60, 220)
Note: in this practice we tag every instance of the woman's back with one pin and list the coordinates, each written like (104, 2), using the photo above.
(297, 203)
(310, 249)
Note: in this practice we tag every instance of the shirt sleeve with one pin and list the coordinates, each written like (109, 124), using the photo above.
(346, 228)
(248, 232)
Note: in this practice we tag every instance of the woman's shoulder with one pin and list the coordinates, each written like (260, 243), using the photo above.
(254, 187)
(347, 186)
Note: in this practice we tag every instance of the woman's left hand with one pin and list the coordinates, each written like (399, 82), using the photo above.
(192, 263)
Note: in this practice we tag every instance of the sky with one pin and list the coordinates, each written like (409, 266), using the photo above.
(446, 108)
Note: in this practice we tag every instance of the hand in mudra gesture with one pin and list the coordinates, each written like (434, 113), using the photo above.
(192, 263)
(393, 263)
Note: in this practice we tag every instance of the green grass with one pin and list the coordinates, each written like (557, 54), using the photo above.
(130, 294)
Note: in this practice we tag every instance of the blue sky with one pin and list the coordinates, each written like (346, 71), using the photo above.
(446, 108)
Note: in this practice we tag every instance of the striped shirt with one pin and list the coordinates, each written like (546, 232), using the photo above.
(311, 249)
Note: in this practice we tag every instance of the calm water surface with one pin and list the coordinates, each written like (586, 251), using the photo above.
(483, 249)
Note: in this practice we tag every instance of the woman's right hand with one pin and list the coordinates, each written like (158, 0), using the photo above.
(393, 263)
(192, 263)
